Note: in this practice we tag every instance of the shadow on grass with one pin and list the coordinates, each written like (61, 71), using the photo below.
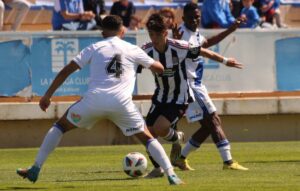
(274, 161)
(98, 179)
(23, 188)
(102, 171)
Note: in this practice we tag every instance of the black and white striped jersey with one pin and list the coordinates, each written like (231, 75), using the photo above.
(172, 86)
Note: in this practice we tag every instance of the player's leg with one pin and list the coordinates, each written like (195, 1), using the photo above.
(131, 122)
(222, 143)
(50, 142)
(160, 119)
(196, 111)
(192, 145)
(159, 155)
(76, 116)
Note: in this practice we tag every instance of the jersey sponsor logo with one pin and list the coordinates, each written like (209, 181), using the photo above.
(75, 117)
(134, 129)
(168, 72)
(62, 52)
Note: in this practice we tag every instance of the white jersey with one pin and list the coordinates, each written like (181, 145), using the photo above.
(194, 67)
(203, 104)
(113, 63)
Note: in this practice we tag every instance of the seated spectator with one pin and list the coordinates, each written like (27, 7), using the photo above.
(216, 14)
(70, 15)
(169, 15)
(22, 8)
(134, 23)
(97, 7)
(123, 8)
(270, 9)
(249, 14)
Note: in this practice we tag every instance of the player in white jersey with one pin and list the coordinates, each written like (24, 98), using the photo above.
(113, 64)
(172, 93)
(203, 109)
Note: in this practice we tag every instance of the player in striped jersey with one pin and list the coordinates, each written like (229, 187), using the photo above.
(202, 110)
(173, 92)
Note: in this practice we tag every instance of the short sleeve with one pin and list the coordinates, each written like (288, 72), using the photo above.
(141, 58)
(84, 57)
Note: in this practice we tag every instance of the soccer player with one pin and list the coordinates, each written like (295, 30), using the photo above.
(113, 63)
(173, 92)
(208, 118)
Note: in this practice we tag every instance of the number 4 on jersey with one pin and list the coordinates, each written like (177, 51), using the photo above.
(115, 66)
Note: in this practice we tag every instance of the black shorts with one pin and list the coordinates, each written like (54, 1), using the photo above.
(173, 112)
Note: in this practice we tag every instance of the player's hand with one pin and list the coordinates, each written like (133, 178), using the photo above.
(176, 33)
(233, 63)
(44, 103)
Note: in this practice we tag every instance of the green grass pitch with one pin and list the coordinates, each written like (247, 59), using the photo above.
(273, 166)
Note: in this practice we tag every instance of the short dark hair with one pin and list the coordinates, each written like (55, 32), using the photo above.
(112, 22)
(189, 7)
(156, 23)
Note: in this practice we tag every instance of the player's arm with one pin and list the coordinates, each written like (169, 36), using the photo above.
(219, 37)
(157, 67)
(230, 62)
(59, 79)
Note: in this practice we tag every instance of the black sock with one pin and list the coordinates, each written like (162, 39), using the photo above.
(229, 162)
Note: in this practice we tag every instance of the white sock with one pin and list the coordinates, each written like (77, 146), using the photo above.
(51, 140)
(224, 149)
(190, 146)
(159, 155)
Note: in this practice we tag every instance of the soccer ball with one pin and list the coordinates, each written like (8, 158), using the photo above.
(135, 164)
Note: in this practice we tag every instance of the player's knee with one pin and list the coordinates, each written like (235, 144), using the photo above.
(64, 124)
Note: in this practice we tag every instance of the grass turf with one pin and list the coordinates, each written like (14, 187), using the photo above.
(273, 166)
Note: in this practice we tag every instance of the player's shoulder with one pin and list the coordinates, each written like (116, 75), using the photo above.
(147, 45)
(180, 44)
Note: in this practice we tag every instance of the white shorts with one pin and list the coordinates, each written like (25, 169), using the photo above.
(92, 107)
(203, 104)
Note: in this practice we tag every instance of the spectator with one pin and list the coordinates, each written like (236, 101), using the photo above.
(249, 14)
(22, 8)
(97, 7)
(70, 15)
(125, 9)
(216, 14)
(134, 23)
(270, 9)
(169, 16)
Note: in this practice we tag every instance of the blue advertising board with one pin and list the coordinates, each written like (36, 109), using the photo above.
(50, 55)
(288, 64)
(15, 71)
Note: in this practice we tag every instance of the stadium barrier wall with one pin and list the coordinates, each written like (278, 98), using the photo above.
(251, 119)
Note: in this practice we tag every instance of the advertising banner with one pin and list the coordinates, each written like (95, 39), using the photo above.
(14, 67)
(34, 67)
